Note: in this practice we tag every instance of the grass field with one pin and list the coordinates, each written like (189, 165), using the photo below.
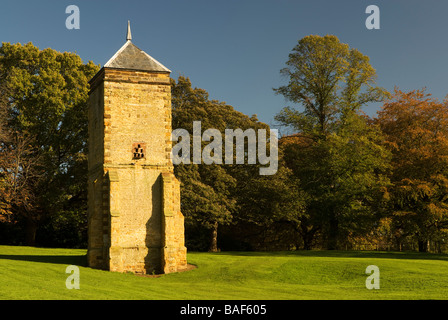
(39, 273)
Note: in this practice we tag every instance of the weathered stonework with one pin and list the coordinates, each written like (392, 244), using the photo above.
(134, 217)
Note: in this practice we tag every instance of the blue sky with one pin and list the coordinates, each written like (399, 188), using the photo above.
(235, 49)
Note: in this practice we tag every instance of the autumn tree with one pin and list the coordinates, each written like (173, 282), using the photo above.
(338, 159)
(19, 171)
(19, 165)
(416, 129)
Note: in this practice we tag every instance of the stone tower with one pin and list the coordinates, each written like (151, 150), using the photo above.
(134, 218)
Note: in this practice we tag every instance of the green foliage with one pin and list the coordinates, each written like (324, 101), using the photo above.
(48, 93)
(336, 155)
(208, 192)
(341, 175)
(328, 79)
(343, 179)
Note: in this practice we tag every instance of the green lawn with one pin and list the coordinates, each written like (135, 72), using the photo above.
(39, 273)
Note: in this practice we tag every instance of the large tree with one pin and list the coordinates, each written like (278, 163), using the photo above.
(47, 101)
(209, 192)
(327, 79)
(338, 158)
(416, 130)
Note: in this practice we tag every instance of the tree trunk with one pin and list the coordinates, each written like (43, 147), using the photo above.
(423, 245)
(333, 235)
(307, 236)
(307, 242)
(214, 238)
(31, 229)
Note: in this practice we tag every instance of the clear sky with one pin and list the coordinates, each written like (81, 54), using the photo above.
(235, 49)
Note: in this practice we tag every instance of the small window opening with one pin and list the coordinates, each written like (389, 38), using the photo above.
(138, 150)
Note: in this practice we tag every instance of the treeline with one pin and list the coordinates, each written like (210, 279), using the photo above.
(43, 146)
(344, 180)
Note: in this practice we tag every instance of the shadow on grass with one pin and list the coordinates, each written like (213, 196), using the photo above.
(342, 254)
(79, 260)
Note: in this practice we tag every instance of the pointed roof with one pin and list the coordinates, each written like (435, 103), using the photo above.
(131, 57)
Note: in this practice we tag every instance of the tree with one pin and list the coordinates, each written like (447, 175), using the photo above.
(339, 158)
(208, 191)
(343, 179)
(272, 199)
(19, 165)
(328, 79)
(47, 100)
(416, 130)
(18, 173)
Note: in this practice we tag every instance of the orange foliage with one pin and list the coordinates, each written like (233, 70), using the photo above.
(416, 127)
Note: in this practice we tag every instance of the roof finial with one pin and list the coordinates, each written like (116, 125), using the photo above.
(129, 36)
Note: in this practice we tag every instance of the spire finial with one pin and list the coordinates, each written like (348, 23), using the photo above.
(129, 36)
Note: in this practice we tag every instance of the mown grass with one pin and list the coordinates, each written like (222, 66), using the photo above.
(39, 273)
